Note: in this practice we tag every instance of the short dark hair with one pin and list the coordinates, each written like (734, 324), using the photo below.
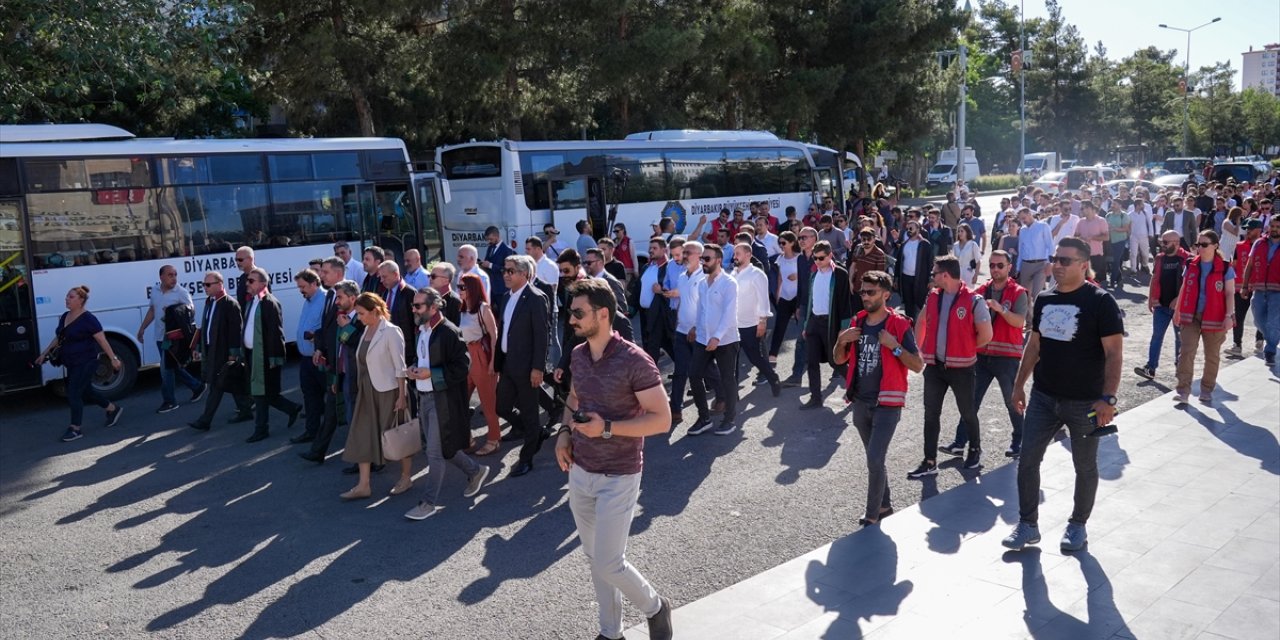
(569, 256)
(1001, 253)
(711, 246)
(822, 245)
(581, 226)
(376, 252)
(791, 211)
(742, 236)
(595, 251)
(491, 230)
(597, 292)
(658, 240)
(308, 276)
(666, 223)
(948, 263)
(1079, 245)
(534, 240)
(878, 278)
(788, 236)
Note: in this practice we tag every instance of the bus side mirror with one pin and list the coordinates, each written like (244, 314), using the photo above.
(445, 192)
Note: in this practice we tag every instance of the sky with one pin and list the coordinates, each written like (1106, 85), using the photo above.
(1126, 25)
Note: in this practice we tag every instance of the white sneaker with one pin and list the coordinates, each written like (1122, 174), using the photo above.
(423, 511)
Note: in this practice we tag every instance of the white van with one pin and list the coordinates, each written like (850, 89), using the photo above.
(944, 171)
(1040, 163)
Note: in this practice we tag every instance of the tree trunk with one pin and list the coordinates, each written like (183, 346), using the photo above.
(512, 80)
(359, 98)
(624, 100)
(793, 128)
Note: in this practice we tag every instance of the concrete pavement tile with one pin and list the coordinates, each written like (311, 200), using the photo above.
(1141, 538)
(689, 628)
(1206, 635)
(1171, 619)
(1261, 485)
(1248, 618)
(1173, 515)
(832, 626)
(1245, 556)
(1211, 587)
(1205, 533)
(1268, 585)
(909, 626)
(1265, 527)
(1177, 474)
(800, 606)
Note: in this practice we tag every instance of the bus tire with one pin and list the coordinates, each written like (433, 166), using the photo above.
(117, 384)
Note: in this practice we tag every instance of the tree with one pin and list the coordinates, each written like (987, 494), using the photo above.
(1261, 119)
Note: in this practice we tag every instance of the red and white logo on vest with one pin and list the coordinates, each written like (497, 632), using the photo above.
(1218, 286)
(960, 313)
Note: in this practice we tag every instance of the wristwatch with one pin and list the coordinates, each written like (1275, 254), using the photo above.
(1111, 400)
(897, 351)
(608, 430)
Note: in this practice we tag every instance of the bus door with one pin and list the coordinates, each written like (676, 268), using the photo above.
(396, 228)
(19, 344)
(428, 192)
(358, 222)
(579, 198)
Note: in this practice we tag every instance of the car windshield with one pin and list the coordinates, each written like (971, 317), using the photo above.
(942, 168)
(1052, 177)
(1240, 172)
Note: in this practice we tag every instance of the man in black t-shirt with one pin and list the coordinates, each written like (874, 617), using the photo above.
(1076, 350)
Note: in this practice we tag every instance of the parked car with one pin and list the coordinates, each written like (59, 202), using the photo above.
(1050, 183)
(1172, 181)
(1114, 185)
(1238, 171)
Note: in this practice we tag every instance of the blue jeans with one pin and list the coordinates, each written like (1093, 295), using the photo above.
(1003, 370)
(1115, 259)
(1161, 318)
(1046, 415)
(168, 370)
(80, 388)
(1266, 316)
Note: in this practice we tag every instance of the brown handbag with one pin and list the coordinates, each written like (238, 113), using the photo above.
(403, 440)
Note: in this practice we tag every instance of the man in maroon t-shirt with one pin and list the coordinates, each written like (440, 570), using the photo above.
(615, 400)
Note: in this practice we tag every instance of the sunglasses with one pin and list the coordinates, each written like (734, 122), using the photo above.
(997, 265)
(820, 258)
(210, 284)
(1064, 261)
(578, 314)
(589, 262)
(419, 305)
(708, 259)
(867, 293)
(437, 275)
(240, 259)
(1204, 245)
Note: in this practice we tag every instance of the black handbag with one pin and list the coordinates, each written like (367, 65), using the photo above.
(234, 378)
(54, 357)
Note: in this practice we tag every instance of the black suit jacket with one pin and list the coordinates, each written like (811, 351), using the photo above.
(527, 337)
(924, 266)
(402, 315)
(621, 321)
(219, 337)
(371, 284)
(452, 307)
(326, 338)
(497, 256)
(272, 326)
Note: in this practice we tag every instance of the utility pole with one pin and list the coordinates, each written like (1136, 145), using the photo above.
(964, 101)
(1022, 83)
(1186, 85)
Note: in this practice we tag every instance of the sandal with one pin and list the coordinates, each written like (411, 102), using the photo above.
(353, 494)
(488, 448)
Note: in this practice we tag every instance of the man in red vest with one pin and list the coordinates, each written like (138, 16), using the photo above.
(1262, 280)
(877, 380)
(1253, 231)
(955, 324)
(1007, 301)
(1204, 311)
(1166, 276)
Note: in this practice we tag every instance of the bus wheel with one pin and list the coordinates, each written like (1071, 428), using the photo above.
(117, 384)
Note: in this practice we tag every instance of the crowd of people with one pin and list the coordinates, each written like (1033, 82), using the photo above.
(551, 330)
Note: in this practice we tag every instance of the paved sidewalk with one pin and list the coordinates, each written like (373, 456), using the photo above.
(1184, 543)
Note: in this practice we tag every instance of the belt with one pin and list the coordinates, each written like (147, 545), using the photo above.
(1041, 260)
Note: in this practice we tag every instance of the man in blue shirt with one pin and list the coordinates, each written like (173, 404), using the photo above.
(979, 227)
(414, 274)
(310, 376)
(1035, 244)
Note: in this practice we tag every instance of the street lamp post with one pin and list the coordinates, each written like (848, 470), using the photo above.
(1186, 79)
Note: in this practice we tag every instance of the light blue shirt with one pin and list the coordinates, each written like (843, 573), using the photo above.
(418, 278)
(1035, 242)
(673, 282)
(647, 280)
(309, 320)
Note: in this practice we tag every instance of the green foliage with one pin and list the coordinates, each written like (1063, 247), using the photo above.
(997, 182)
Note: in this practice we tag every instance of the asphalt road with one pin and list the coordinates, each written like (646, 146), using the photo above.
(151, 527)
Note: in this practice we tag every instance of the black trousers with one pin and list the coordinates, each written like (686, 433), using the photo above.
(272, 399)
(786, 310)
(753, 348)
(725, 358)
(311, 381)
(244, 405)
(518, 404)
(912, 302)
(328, 425)
(818, 345)
(937, 379)
(657, 332)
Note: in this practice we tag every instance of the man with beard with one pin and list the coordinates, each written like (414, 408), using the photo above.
(1262, 279)
(753, 313)
(715, 334)
(439, 375)
(1166, 277)
(1253, 231)
(877, 381)
(911, 272)
(616, 400)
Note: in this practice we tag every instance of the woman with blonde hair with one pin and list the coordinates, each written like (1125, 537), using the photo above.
(380, 395)
(479, 330)
(78, 338)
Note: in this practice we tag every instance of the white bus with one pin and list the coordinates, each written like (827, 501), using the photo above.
(519, 186)
(92, 204)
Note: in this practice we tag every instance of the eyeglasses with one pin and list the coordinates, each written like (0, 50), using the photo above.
(997, 265)
(938, 273)
(420, 305)
(439, 275)
(708, 259)
(240, 259)
(1064, 261)
(820, 258)
(1204, 245)
(866, 293)
(589, 262)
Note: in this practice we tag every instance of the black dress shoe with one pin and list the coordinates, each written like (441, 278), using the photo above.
(240, 417)
(306, 437)
(604, 637)
(351, 470)
(293, 416)
(520, 469)
(311, 457)
(513, 436)
(257, 436)
(199, 426)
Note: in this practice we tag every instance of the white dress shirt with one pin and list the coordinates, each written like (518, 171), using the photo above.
(753, 296)
(822, 285)
(1142, 220)
(355, 270)
(687, 312)
(909, 257)
(1068, 228)
(424, 356)
(771, 246)
(718, 310)
(548, 272)
(507, 311)
(250, 320)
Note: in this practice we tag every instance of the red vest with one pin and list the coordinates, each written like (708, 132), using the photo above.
(893, 379)
(962, 340)
(1182, 256)
(1215, 303)
(1006, 339)
(1263, 275)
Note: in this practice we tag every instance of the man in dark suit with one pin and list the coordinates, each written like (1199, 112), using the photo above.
(216, 343)
(399, 297)
(332, 272)
(914, 279)
(371, 259)
(593, 263)
(442, 281)
(494, 258)
(263, 353)
(827, 312)
(521, 355)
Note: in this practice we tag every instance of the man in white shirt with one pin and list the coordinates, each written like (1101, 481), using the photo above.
(657, 323)
(355, 268)
(715, 334)
(753, 313)
(768, 238)
(1063, 224)
(684, 297)
(468, 263)
(1140, 233)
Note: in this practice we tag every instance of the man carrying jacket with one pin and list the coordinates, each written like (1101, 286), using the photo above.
(215, 342)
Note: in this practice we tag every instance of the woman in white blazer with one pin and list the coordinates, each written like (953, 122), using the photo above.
(380, 394)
